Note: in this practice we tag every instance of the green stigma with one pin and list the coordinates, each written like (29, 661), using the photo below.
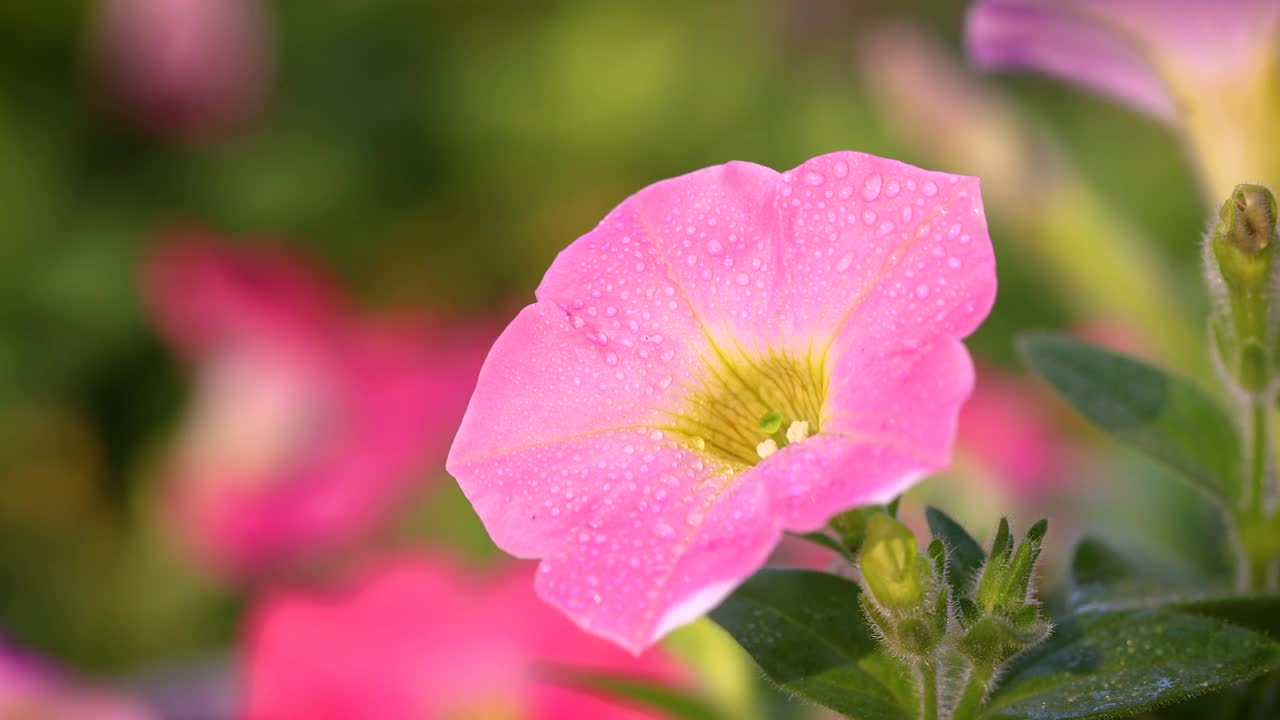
(748, 406)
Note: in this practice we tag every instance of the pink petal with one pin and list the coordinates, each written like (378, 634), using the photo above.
(662, 550)
(881, 254)
(202, 293)
(1135, 51)
(419, 637)
(873, 265)
(895, 431)
(710, 238)
(310, 425)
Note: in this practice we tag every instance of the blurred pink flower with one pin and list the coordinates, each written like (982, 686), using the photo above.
(30, 689)
(308, 425)
(727, 355)
(185, 66)
(1008, 430)
(1208, 68)
(423, 638)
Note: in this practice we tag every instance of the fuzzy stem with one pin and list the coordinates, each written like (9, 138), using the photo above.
(1259, 426)
(975, 691)
(1256, 538)
(929, 688)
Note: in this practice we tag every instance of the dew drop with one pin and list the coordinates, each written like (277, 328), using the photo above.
(714, 247)
(743, 279)
(845, 262)
(814, 179)
(610, 359)
(892, 188)
(871, 187)
(922, 291)
(842, 169)
(929, 188)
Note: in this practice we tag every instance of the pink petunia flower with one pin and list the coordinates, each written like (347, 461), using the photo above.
(1208, 68)
(189, 67)
(421, 638)
(729, 354)
(308, 425)
(31, 689)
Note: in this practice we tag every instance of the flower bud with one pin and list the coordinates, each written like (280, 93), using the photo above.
(891, 564)
(1239, 266)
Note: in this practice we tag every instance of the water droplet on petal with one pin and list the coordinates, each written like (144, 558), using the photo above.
(871, 187)
(814, 179)
(929, 188)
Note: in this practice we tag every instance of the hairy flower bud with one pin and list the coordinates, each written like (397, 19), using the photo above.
(891, 563)
(1239, 269)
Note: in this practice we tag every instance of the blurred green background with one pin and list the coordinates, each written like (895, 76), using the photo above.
(430, 154)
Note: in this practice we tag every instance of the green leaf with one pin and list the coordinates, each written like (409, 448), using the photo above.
(638, 692)
(1165, 417)
(1103, 579)
(805, 631)
(828, 542)
(964, 556)
(1258, 612)
(1119, 663)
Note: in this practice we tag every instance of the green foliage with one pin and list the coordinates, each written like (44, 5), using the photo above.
(989, 654)
(805, 631)
(1168, 419)
(964, 554)
(671, 703)
(1118, 663)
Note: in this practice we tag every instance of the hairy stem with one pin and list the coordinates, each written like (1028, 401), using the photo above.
(1259, 427)
(1256, 537)
(929, 688)
(975, 691)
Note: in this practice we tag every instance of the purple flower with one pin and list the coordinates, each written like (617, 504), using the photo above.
(1207, 68)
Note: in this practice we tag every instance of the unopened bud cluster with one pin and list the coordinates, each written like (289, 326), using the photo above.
(910, 602)
(1001, 618)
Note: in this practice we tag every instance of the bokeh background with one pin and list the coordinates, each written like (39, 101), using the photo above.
(432, 157)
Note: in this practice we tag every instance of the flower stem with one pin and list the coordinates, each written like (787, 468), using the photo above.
(929, 688)
(975, 691)
(1259, 427)
(1256, 537)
